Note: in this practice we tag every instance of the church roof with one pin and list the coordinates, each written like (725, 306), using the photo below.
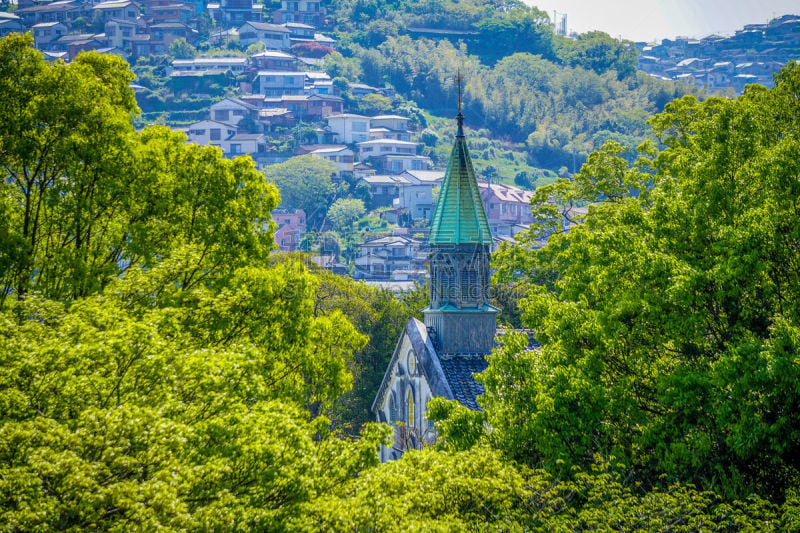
(459, 217)
(460, 371)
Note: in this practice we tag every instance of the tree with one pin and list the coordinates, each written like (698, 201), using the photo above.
(158, 371)
(344, 212)
(304, 183)
(375, 104)
(181, 49)
(87, 197)
(671, 329)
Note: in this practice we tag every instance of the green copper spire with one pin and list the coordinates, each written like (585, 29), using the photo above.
(459, 217)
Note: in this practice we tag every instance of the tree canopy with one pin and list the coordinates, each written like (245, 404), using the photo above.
(668, 315)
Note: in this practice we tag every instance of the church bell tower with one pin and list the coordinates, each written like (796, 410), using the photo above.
(460, 317)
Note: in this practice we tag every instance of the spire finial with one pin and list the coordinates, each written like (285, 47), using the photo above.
(460, 116)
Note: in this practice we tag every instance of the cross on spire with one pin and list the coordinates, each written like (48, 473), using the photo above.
(460, 116)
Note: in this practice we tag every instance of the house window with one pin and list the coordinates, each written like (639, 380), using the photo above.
(359, 126)
(221, 114)
(216, 134)
(236, 148)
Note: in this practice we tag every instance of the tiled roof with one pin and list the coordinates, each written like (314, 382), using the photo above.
(459, 370)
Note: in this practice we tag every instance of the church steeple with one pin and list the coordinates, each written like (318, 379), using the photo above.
(459, 217)
(460, 241)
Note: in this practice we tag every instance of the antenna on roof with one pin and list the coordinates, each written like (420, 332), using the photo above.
(460, 116)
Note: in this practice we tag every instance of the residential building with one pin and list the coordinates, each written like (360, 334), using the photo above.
(376, 147)
(385, 133)
(235, 12)
(300, 32)
(415, 196)
(273, 60)
(116, 10)
(379, 258)
(237, 65)
(508, 208)
(279, 82)
(232, 110)
(239, 144)
(61, 11)
(169, 11)
(307, 107)
(274, 36)
(349, 128)
(120, 33)
(10, 23)
(164, 33)
(303, 11)
(341, 156)
(397, 164)
(45, 33)
(210, 132)
(391, 122)
(291, 228)
(382, 188)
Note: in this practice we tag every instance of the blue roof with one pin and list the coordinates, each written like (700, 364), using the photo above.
(459, 372)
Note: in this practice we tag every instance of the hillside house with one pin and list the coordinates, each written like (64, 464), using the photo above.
(291, 228)
(349, 128)
(273, 60)
(237, 65)
(272, 83)
(10, 23)
(45, 33)
(232, 110)
(235, 12)
(116, 10)
(309, 12)
(210, 132)
(274, 36)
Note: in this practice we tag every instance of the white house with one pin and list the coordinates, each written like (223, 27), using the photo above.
(349, 128)
(415, 195)
(274, 36)
(47, 32)
(396, 163)
(232, 110)
(392, 122)
(385, 133)
(377, 147)
(280, 82)
(119, 10)
(341, 156)
(234, 64)
(244, 144)
(210, 132)
(10, 23)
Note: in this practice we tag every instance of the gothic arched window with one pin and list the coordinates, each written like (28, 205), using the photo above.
(410, 406)
(392, 408)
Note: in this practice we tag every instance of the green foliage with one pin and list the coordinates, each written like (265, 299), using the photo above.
(562, 113)
(375, 104)
(180, 49)
(150, 406)
(669, 314)
(157, 370)
(599, 52)
(304, 183)
(344, 212)
(480, 490)
(87, 197)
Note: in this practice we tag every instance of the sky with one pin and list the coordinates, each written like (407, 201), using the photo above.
(653, 20)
